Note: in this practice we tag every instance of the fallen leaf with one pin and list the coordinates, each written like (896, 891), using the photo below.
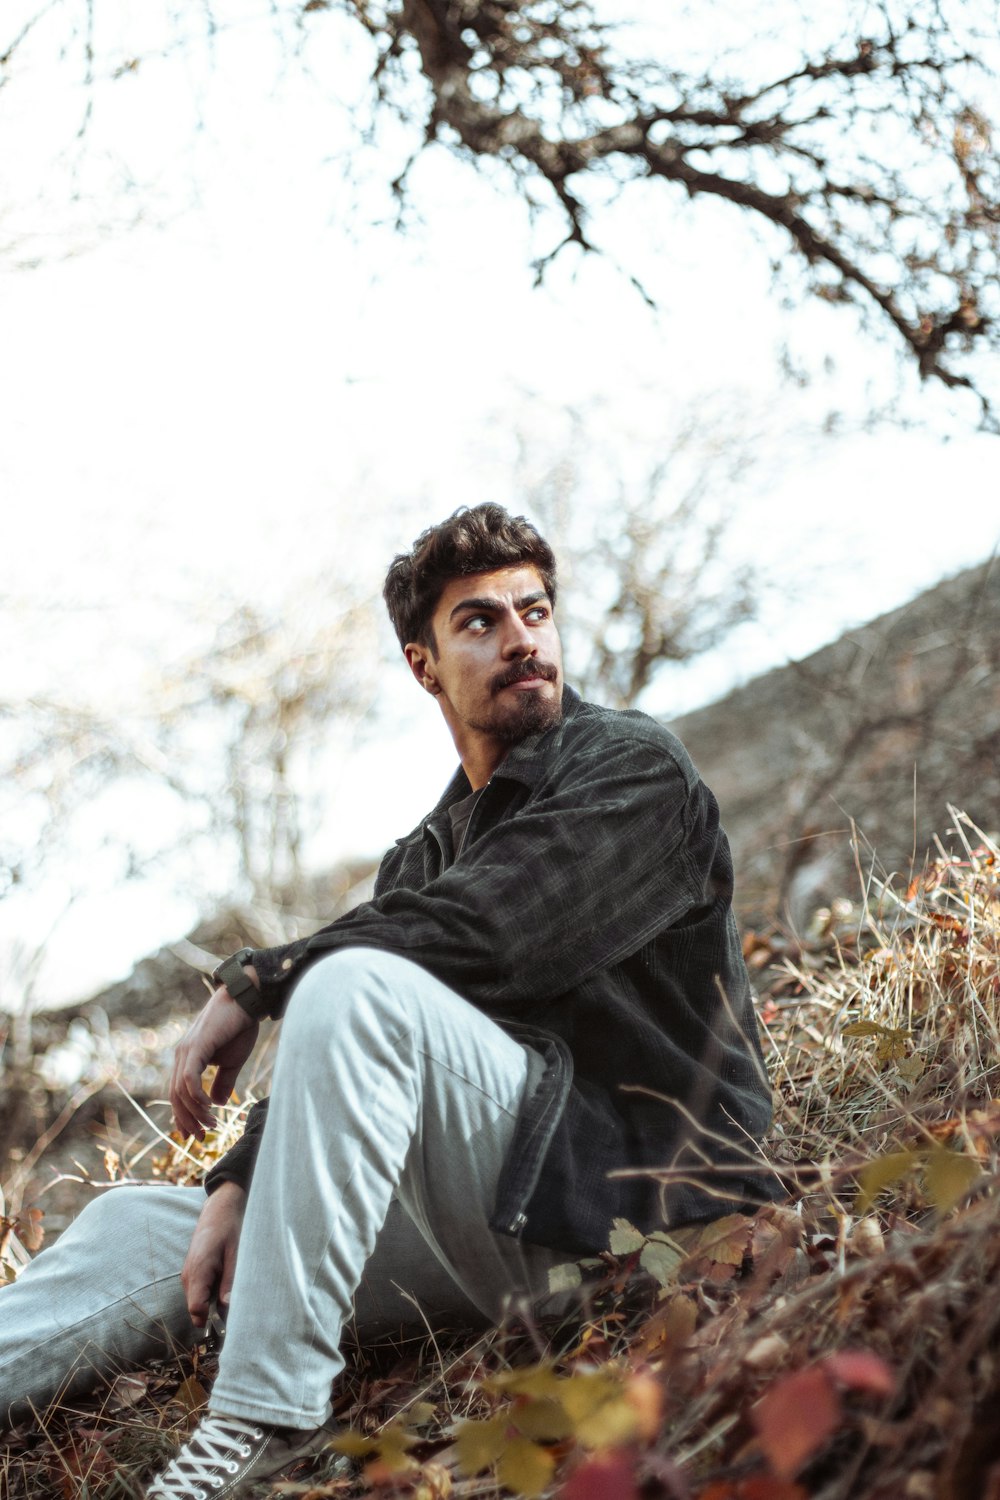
(565, 1278)
(191, 1395)
(625, 1239)
(480, 1444)
(524, 1467)
(668, 1329)
(661, 1258)
(128, 1390)
(881, 1173)
(545, 1420)
(795, 1417)
(861, 1371)
(609, 1476)
(948, 1177)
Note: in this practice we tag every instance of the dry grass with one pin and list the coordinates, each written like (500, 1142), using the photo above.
(843, 1345)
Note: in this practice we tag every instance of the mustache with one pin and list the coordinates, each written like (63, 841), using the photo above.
(519, 671)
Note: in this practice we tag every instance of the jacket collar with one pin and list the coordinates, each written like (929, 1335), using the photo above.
(525, 762)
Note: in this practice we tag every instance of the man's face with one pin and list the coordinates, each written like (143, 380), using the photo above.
(497, 672)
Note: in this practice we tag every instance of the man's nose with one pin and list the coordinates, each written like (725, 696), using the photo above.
(518, 639)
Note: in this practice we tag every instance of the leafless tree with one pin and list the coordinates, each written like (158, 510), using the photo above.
(235, 735)
(650, 576)
(859, 140)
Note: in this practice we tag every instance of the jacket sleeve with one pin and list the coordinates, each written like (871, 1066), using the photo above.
(238, 1163)
(615, 842)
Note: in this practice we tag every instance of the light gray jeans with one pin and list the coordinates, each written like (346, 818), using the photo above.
(393, 1105)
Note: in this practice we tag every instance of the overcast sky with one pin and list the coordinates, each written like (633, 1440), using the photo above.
(257, 387)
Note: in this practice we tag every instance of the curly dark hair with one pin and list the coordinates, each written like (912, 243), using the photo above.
(476, 539)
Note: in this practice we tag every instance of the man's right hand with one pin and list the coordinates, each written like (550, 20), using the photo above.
(210, 1264)
(222, 1034)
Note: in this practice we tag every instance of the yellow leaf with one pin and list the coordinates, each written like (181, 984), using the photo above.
(879, 1174)
(435, 1483)
(524, 1467)
(480, 1444)
(614, 1422)
(581, 1395)
(354, 1444)
(392, 1445)
(545, 1420)
(421, 1412)
(948, 1177)
(538, 1380)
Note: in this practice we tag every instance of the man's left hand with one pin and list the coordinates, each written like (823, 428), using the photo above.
(224, 1035)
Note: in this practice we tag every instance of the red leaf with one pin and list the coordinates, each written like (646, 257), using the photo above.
(763, 1487)
(610, 1476)
(795, 1417)
(757, 1487)
(861, 1371)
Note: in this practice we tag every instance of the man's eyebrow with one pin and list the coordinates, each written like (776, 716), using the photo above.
(496, 605)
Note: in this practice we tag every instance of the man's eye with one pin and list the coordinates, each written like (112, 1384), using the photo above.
(539, 612)
(476, 622)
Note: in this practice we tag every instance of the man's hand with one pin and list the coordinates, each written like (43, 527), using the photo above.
(211, 1259)
(224, 1035)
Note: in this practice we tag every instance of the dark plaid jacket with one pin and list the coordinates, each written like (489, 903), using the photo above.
(590, 915)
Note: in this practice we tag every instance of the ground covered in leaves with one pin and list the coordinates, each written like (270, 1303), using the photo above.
(840, 1345)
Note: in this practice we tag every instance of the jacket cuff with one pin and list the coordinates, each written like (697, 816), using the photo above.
(239, 1161)
(276, 969)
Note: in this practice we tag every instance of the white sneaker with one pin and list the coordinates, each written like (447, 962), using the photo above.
(225, 1455)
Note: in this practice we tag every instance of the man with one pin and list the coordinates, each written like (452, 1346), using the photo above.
(546, 990)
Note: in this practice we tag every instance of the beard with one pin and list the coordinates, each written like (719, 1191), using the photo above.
(525, 713)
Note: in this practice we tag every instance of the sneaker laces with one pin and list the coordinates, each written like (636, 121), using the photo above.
(217, 1443)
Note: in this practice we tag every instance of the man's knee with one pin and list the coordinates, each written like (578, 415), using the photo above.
(120, 1209)
(136, 1216)
(353, 987)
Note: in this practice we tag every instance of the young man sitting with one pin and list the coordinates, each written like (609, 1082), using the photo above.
(547, 987)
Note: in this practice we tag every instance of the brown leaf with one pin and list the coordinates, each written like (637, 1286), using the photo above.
(724, 1241)
(668, 1329)
(28, 1225)
(191, 1395)
(795, 1417)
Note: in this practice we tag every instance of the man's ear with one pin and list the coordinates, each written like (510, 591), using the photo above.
(420, 661)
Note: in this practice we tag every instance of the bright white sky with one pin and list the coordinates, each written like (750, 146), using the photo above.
(258, 387)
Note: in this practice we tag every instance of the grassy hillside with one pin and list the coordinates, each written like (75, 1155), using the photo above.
(842, 1345)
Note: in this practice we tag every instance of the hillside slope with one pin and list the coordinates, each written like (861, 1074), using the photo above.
(886, 727)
